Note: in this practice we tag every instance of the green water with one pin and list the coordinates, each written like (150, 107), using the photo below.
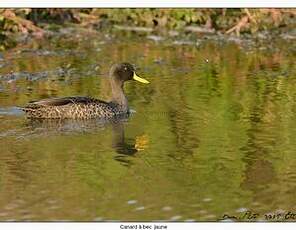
(213, 134)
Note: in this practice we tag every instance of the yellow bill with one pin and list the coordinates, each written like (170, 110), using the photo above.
(137, 78)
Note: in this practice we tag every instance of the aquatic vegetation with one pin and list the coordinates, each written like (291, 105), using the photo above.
(227, 21)
(249, 20)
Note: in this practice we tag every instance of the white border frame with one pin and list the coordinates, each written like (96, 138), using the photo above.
(170, 226)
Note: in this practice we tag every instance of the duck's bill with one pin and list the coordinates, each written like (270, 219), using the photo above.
(137, 78)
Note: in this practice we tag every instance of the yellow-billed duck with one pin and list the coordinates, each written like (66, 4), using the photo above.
(86, 107)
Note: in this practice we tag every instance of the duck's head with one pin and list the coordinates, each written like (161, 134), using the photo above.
(124, 72)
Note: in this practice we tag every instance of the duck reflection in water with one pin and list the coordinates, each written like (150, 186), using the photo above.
(125, 148)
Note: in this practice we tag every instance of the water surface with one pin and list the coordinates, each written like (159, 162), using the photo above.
(213, 134)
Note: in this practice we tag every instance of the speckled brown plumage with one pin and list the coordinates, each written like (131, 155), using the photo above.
(72, 108)
(86, 107)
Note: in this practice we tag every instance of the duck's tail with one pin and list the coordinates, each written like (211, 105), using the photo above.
(32, 110)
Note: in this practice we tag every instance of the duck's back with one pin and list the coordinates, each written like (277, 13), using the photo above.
(70, 107)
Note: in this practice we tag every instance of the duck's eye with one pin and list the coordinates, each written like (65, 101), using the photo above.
(125, 68)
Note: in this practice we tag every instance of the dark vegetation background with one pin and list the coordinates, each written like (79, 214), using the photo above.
(37, 22)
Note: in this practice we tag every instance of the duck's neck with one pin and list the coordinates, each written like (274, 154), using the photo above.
(118, 96)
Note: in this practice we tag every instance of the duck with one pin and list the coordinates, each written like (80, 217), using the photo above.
(81, 107)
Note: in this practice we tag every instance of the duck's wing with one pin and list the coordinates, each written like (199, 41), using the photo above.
(64, 101)
(67, 107)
